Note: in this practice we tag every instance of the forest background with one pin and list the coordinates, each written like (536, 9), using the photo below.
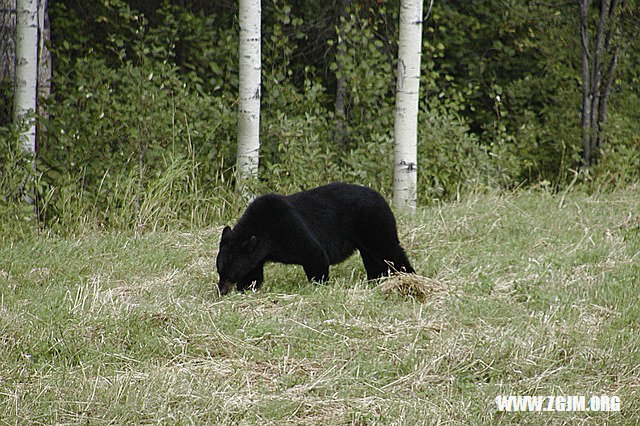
(140, 124)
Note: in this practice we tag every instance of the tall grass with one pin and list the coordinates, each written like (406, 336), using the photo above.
(532, 294)
(132, 200)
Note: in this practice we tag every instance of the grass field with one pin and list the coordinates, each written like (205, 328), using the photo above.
(533, 294)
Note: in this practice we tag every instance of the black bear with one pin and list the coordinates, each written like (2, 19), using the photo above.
(315, 228)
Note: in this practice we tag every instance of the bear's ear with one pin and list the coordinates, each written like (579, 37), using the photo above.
(226, 233)
(252, 244)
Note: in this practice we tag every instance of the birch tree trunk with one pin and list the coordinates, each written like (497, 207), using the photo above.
(249, 100)
(26, 70)
(405, 163)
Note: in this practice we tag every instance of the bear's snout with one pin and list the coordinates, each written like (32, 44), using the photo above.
(224, 286)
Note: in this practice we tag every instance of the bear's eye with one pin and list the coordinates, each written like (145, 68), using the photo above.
(250, 245)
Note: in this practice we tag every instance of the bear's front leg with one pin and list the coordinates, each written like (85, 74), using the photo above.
(315, 262)
(318, 272)
(301, 247)
(252, 279)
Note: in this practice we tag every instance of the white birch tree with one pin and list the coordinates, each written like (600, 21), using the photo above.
(249, 99)
(26, 70)
(405, 162)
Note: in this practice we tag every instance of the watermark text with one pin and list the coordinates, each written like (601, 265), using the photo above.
(561, 403)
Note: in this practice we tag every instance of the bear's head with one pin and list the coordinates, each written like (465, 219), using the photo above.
(237, 257)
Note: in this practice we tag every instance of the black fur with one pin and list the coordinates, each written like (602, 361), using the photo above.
(315, 228)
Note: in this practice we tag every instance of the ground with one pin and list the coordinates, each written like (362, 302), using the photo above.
(534, 294)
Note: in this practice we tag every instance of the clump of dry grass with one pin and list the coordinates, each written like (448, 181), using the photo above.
(412, 285)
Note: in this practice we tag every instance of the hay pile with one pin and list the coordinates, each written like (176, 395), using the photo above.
(412, 285)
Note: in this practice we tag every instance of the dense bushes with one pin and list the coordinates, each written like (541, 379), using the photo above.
(141, 128)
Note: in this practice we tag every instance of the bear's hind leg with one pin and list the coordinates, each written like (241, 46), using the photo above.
(399, 260)
(377, 240)
(375, 268)
(380, 261)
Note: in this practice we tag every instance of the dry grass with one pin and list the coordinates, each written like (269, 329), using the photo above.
(516, 296)
(414, 286)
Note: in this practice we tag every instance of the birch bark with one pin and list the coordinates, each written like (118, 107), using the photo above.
(249, 101)
(405, 163)
(26, 70)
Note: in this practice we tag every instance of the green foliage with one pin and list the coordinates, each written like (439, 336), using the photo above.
(368, 72)
(141, 128)
(128, 127)
(620, 163)
(451, 160)
(520, 62)
(13, 166)
(297, 151)
(16, 171)
(299, 160)
(6, 102)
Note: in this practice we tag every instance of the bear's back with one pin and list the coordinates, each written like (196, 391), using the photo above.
(337, 200)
